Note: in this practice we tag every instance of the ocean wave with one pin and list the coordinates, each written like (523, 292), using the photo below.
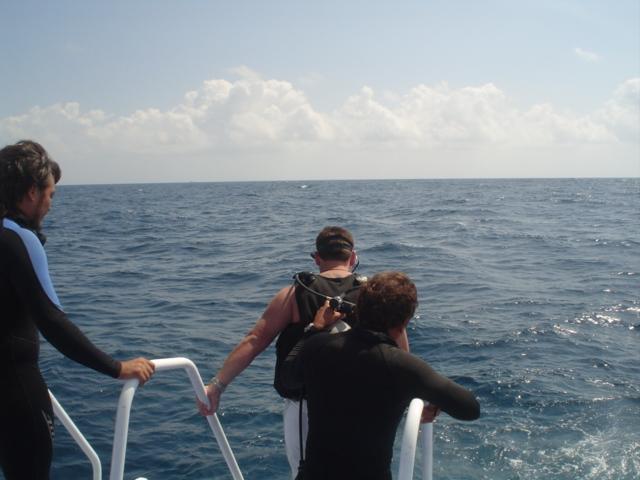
(518, 302)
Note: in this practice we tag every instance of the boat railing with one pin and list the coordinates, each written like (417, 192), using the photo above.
(124, 408)
(410, 443)
(82, 442)
(407, 458)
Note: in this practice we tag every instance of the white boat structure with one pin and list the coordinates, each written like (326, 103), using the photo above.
(407, 453)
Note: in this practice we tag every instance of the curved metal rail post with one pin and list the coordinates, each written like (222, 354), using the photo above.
(124, 408)
(82, 442)
(426, 437)
(410, 440)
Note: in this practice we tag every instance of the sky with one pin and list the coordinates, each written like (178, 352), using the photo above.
(175, 91)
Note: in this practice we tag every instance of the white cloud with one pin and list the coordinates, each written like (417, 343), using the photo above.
(57, 125)
(238, 119)
(458, 116)
(621, 114)
(586, 55)
(470, 116)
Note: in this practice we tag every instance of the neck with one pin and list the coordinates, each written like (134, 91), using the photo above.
(25, 222)
(335, 270)
(399, 335)
(345, 269)
(19, 216)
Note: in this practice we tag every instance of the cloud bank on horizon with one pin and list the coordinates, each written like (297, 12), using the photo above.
(252, 128)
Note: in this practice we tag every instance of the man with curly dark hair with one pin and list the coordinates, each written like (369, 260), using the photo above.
(359, 382)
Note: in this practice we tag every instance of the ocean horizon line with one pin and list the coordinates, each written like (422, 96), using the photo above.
(305, 181)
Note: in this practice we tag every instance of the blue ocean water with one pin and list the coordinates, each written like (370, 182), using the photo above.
(529, 295)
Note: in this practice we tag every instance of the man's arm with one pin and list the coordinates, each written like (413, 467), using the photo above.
(29, 276)
(420, 380)
(280, 312)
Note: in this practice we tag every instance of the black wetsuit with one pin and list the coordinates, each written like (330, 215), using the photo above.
(28, 304)
(358, 384)
(308, 304)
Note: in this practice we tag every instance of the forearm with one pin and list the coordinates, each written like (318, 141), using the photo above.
(275, 318)
(240, 358)
(69, 340)
(458, 402)
(439, 390)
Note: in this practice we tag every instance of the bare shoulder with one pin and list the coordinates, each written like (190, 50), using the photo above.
(282, 300)
(284, 306)
(285, 294)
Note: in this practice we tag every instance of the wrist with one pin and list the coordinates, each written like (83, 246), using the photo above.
(218, 384)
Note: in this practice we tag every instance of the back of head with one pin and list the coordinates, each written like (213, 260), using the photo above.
(334, 243)
(387, 300)
(23, 165)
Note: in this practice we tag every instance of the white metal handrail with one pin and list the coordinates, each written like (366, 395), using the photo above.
(124, 408)
(427, 451)
(407, 451)
(77, 436)
(410, 440)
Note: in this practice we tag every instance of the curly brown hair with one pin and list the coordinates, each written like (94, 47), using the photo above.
(22, 166)
(386, 301)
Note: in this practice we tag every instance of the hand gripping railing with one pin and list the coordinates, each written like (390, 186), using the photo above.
(78, 437)
(409, 443)
(124, 408)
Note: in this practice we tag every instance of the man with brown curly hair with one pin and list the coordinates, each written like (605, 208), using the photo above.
(358, 384)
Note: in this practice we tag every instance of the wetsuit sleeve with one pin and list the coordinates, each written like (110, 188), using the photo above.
(419, 380)
(30, 278)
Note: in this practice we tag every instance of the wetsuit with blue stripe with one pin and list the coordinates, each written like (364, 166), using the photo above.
(28, 304)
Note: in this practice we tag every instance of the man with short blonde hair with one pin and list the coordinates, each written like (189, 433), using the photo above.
(290, 311)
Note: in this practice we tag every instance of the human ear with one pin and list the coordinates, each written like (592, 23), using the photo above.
(32, 193)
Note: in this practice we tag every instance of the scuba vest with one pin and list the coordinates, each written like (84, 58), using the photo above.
(309, 300)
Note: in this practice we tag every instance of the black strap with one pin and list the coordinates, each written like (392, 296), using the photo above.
(301, 464)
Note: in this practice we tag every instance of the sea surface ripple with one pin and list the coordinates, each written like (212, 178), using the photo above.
(529, 295)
